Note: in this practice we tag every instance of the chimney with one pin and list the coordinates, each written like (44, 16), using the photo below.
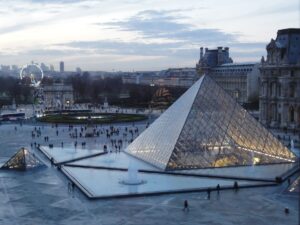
(226, 53)
(220, 59)
(201, 53)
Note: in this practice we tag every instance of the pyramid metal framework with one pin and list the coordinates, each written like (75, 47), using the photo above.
(207, 128)
(22, 160)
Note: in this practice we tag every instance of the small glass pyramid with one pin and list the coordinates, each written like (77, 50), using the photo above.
(207, 128)
(22, 160)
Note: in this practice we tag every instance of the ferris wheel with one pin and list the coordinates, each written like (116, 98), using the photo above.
(33, 72)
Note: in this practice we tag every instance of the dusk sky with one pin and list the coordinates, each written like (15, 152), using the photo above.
(137, 34)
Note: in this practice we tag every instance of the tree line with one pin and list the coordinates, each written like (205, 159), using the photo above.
(87, 89)
(11, 88)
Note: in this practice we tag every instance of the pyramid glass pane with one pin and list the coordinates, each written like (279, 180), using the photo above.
(31, 160)
(209, 130)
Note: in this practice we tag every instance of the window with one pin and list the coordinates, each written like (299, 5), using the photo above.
(292, 114)
(292, 73)
(273, 89)
(279, 90)
(281, 54)
(292, 90)
(274, 111)
(236, 94)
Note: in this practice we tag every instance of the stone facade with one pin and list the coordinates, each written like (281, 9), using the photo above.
(280, 81)
(58, 96)
(240, 80)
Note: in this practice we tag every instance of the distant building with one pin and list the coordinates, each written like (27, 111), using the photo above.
(5, 68)
(180, 72)
(15, 68)
(44, 67)
(62, 67)
(174, 77)
(58, 96)
(280, 81)
(51, 68)
(78, 70)
(240, 80)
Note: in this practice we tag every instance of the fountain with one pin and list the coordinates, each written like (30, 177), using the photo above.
(109, 156)
(292, 145)
(132, 175)
(255, 159)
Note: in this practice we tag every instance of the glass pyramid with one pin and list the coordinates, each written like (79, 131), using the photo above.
(22, 160)
(207, 128)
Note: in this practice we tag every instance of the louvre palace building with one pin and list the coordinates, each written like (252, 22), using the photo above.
(240, 80)
(280, 82)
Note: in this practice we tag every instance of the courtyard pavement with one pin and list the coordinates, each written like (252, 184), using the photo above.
(43, 197)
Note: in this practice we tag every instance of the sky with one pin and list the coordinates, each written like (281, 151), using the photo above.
(135, 35)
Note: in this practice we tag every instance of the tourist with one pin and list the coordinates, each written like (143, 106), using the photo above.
(69, 187)
(186, 206)
(208, 193)
(73, 186)
(218, 189)
(236, 186)
(286, 210)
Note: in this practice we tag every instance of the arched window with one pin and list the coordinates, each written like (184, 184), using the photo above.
(273, 111)
(236, 94)
(292, 90)
(264, 88)
(273, 89)
(279, 90)
(279, 118)
(292, 114)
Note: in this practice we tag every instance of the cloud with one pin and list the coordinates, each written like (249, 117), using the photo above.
(27, 14)
(166, 24)
(123, 48)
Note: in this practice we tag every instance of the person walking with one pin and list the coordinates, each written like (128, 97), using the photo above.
(69, 187)
(186, 206)
(218, 189)
(236, 186)
(73, 189)
(208, 193)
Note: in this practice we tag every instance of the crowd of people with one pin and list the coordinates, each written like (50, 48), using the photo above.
(112, 137)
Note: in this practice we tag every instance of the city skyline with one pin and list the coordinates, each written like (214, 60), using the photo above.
(130, 35)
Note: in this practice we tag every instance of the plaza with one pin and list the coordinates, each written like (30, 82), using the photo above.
(42, 196)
